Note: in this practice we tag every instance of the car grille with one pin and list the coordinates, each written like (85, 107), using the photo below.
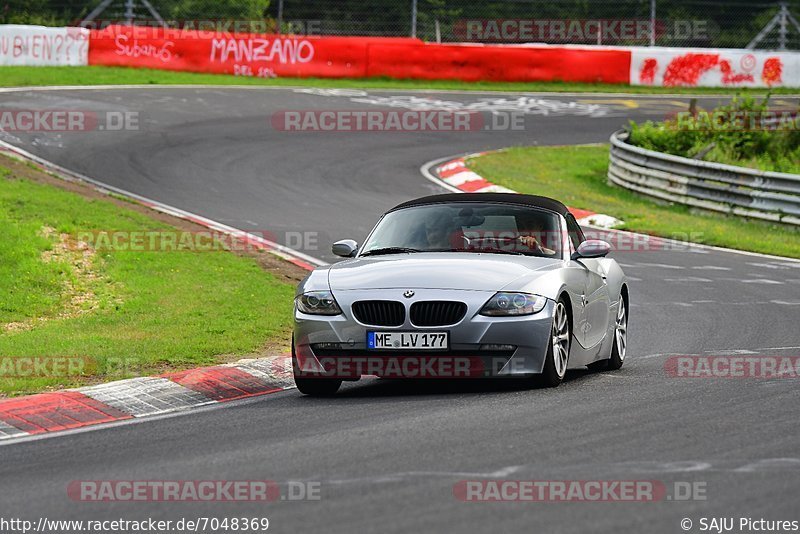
(437, 313)
(380, 312)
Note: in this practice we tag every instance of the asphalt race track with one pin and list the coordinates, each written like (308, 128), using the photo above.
(387, 454)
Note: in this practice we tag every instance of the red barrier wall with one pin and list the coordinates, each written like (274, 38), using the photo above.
(498, 63)
(356, 57)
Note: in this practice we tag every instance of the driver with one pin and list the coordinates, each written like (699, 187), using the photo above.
(436, 232)
(532, 243)
(530, 240)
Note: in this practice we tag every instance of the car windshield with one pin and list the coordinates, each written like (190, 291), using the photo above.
(467, 227)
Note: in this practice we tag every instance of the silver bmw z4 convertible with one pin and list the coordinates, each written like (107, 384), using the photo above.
(462, 286)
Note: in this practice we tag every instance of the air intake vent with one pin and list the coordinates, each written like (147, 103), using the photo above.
(380, 312)
(437, 313)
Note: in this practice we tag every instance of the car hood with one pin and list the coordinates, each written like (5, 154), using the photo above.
(468, 271)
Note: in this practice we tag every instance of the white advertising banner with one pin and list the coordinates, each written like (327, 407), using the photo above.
(43, 46)
(713, 67)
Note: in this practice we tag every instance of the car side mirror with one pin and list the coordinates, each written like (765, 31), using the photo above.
(592, 248)
(346, 248)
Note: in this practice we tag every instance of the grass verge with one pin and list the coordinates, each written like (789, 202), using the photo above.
(86, 314)
(576, 175)
(37, 76)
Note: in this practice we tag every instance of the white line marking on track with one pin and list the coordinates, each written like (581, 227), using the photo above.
(397, 477)
(770, 464)
(711, 268)
(769, 265)
(660, 355)
(720, 352)
(729, 352)
(660, 265)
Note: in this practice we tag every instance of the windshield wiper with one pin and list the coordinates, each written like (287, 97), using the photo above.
(501, 251)
(390, 250)
(481, 251)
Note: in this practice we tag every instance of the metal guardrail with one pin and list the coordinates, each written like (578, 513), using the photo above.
(770, 196)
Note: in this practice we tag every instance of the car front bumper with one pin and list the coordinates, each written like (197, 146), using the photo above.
(480, 346)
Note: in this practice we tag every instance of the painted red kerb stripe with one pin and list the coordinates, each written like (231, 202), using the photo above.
(49, 412)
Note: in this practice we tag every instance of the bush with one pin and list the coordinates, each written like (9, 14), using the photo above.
(744, 132)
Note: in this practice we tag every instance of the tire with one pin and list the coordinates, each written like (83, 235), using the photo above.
(620, 347)
(557, 359)
(317, 387)
(313, 386)
(598, 366)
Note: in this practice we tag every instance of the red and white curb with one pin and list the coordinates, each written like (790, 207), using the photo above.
(143, 397)
(458, 177)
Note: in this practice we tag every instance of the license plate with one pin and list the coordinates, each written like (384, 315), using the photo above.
(408, 340)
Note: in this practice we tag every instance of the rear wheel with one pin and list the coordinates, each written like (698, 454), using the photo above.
(620, 342)
(557, 359)
(620, 337)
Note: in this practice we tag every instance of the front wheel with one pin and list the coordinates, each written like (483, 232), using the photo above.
(555, 364)
(310, 385)
(317, 387)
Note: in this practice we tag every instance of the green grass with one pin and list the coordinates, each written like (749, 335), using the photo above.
(150, 311)
(576, 175)
(33, 76)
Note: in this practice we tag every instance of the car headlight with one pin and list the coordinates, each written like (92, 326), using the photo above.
(506, 304)
(317, 303)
